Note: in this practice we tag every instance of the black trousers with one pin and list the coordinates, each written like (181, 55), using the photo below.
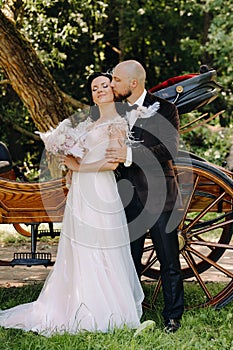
(167, 250)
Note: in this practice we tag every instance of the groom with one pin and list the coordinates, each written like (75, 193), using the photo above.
(147, 185)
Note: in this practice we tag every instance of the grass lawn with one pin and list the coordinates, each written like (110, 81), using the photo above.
(202, 329)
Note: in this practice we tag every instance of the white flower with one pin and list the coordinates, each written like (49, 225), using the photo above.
(141, 111)
(144, 112)
(60, 140)
(65, 139)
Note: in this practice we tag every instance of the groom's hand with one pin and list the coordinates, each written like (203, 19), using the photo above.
(116, 154)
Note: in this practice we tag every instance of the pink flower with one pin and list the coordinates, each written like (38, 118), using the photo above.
(66, 139)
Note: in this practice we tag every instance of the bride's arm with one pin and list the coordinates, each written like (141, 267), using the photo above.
(116, 138)
(100, 165)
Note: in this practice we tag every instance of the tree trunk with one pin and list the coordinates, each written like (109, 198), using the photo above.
(29, 78)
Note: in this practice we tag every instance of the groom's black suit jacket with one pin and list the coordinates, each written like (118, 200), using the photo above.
(151, 173)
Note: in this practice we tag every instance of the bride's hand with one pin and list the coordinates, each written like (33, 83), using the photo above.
(70, 162)
(68, 178)
(117, 154)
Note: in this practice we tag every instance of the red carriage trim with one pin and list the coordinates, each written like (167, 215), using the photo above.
(172, 81)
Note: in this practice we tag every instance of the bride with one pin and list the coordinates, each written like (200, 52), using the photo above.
(93, 285)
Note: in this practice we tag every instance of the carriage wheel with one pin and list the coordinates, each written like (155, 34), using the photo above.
(205, 233)
(23, 229)
(47, 230)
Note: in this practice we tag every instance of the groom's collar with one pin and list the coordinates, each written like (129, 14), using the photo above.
(141, 99)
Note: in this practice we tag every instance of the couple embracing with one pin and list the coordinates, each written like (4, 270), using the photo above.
(94, 284)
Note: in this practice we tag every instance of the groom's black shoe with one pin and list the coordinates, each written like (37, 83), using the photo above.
(172, 325)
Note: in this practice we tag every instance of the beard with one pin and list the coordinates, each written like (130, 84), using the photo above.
(122, 97)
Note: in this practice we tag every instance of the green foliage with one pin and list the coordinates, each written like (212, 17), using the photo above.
(74, 37)
(66, 36)
(213, 144)
(15, 118)
(170, 38)
(201, 329)
(220, 42)
(150, 32)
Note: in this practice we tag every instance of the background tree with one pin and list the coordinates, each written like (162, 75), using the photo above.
(69, 39)
(29, 78)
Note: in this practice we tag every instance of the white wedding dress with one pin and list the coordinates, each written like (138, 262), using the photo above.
(93, 285)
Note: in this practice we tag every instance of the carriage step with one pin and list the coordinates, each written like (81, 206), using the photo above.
(31, 259)
(52, 233)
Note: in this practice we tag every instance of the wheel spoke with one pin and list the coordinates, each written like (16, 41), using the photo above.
(209, 222)
(203, 212)
(149, 263)
(211, 262)
(212, 244)
(150, 304)
(192, 265)
(148, 248)
(210, 228)
(187, 206)
(156, 290)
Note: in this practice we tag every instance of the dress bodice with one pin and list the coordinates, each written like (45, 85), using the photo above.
(96, 141)
(97, 138)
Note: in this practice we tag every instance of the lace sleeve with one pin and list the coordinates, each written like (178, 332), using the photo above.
(118, 128)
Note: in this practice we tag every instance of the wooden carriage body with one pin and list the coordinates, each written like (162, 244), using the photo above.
(24, 202)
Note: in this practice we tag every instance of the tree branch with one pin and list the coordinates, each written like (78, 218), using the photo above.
(20, 129)
(12, 8)
(73, 102)
(4, 82)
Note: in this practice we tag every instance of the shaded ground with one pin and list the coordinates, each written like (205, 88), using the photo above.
(20, 275)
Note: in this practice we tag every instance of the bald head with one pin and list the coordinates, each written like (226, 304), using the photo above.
(133, 70)
(128, 80)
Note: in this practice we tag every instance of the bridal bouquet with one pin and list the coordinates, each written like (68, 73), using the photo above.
(65, 138)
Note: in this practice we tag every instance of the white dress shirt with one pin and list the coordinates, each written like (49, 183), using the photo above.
(132, 117)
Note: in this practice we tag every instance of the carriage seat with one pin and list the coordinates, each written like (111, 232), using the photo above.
(4, 163)
(191, 91)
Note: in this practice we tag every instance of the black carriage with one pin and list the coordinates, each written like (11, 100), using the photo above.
(206, 227)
